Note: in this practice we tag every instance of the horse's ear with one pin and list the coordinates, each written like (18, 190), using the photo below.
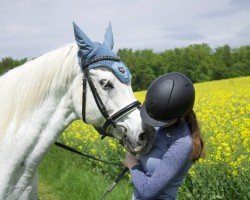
(83, 42)
(108, 38)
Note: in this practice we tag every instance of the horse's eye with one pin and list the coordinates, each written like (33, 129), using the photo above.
(106, 84)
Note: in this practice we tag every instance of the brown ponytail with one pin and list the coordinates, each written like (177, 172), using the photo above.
(198, 144)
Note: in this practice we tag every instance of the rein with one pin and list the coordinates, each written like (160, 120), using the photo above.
(85, 155)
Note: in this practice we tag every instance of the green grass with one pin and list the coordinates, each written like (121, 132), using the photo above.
(46, 192)
(64, 176)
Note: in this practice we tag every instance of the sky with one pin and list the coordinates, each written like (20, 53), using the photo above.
(30, 28)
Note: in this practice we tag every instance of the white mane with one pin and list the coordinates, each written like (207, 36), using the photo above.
(26, 87)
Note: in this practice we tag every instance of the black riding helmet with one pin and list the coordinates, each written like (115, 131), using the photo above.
(169, 97)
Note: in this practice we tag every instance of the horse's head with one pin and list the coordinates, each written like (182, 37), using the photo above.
(106, 99)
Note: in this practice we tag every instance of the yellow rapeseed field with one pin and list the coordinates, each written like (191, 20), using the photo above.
(223, 110)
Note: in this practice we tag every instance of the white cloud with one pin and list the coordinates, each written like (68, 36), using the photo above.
(30, 28)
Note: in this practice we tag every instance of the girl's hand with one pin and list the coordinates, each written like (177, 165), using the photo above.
(130, 161)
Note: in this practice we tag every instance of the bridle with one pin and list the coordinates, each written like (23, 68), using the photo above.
(110, 120)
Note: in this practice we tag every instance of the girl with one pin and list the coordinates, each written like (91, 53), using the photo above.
(168, 105)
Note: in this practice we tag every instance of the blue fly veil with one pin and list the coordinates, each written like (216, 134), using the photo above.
(89, 50)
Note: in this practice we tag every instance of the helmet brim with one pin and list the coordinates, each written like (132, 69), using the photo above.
(149, 120)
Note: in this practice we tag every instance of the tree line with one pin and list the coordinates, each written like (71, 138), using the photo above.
(199, 62)
(8, 63)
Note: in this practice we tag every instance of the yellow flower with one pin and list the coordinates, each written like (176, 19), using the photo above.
(93, 151)
(222, 108)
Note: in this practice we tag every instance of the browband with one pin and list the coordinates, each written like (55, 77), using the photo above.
(100, 58)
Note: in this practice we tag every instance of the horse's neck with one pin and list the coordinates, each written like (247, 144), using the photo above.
(22, 151)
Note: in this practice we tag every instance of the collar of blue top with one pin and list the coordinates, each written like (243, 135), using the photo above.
(94, 54)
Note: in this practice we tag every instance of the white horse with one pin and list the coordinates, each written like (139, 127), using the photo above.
(39, 99)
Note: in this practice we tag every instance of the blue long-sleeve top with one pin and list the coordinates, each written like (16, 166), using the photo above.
(162, 171)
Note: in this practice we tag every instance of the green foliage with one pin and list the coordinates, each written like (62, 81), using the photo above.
(9, 63)
(198, 61)
(214, 182)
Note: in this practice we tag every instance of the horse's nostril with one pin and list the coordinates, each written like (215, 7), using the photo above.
(142, 138)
